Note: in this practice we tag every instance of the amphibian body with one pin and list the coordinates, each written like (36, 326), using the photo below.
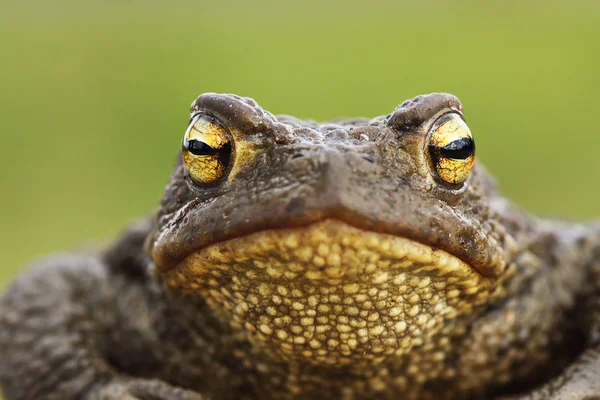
(357, 259)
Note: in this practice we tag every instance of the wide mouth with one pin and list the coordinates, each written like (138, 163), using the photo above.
(196, 227)
(327, 252)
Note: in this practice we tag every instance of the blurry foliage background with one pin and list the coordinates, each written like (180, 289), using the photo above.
(94, 96)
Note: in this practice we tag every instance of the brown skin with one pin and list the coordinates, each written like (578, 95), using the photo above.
(328, 260)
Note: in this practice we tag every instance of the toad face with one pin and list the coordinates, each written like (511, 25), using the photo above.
(337, 243)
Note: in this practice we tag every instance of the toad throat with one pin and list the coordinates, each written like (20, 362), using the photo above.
(330, 293)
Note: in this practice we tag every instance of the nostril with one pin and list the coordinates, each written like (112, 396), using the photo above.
(297, 155)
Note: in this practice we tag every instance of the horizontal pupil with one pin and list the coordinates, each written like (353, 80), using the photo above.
(460, 149)
(199, 148)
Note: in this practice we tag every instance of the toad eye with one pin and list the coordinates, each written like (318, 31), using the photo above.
(206, 150)
(451, 149)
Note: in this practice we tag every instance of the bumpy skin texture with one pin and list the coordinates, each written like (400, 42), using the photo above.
(329, 261)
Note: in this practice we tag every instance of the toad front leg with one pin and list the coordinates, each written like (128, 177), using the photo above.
(55, 325)
(581, 380)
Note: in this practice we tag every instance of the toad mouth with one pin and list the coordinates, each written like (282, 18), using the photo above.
(328, 252)
(439, 234)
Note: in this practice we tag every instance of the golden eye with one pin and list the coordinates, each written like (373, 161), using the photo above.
(451, 149)
(206, 150)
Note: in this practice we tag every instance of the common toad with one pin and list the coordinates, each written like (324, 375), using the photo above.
(355, 259)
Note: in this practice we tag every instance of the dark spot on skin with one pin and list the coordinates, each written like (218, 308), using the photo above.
(296, 206)
(467, 241)
(297, 155)
(369, 158)
(406, 126)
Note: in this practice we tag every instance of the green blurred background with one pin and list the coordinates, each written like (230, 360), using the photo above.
(94, 96)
